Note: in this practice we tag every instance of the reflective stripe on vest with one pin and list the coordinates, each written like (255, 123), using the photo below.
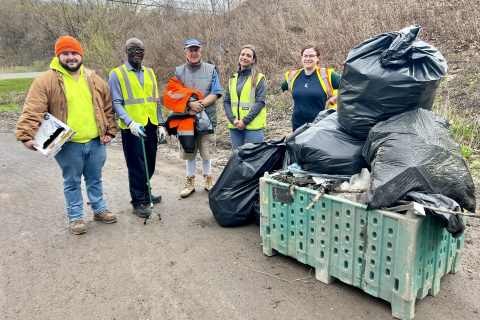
(290, 76)
(247, 100)
(176, 95)
(325, 78)
(138, 109)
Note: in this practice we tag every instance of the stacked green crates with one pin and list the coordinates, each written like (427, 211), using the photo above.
(393, 256)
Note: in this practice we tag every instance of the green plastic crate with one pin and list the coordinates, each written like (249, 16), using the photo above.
(393, 256)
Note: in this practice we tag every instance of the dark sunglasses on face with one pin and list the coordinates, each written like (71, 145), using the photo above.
(135, 50)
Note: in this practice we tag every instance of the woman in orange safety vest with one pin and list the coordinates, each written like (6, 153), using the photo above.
(313, 89)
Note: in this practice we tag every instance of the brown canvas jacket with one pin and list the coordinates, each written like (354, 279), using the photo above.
(47, 94)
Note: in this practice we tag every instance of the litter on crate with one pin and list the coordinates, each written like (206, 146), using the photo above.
(351, 187)
(355, 187)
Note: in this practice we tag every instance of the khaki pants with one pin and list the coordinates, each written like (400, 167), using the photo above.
(202, 144)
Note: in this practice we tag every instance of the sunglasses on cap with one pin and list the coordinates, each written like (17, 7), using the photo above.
(135, 50)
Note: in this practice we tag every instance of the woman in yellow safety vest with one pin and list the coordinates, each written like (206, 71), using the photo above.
(313, 89)
(244, 102)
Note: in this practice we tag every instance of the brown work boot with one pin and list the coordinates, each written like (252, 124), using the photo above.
(105, 216)
(78, 227)
(189, 187)
(207, 182)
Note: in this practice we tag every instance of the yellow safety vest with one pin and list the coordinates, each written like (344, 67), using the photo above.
(247, 100)
(140, 104)
(325, 77)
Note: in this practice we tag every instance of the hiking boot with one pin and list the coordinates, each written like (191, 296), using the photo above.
(155, 199)
(77, 227)
(142, 210)
(189, 187)
(207, 182)
(105, 216)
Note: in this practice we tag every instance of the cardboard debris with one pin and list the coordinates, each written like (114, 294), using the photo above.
(52, 136)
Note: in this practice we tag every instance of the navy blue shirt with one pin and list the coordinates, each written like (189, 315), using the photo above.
(309, 98)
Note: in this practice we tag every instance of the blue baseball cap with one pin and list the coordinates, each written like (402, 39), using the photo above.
(191, 43)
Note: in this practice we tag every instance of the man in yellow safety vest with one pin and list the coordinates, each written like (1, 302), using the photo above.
(135, 100)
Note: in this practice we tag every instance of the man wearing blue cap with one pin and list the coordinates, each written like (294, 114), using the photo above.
(198, 75)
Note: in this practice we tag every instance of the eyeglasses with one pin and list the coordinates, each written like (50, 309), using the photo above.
(311, 56)
(191, 50)
(135, 50)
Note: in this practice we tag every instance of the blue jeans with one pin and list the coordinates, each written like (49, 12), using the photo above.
(75, 160)
(239, 136)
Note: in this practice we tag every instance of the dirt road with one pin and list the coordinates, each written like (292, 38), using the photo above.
(182, 267)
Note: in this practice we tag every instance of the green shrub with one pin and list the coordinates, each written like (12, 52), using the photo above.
(21, 69)
(39, 66)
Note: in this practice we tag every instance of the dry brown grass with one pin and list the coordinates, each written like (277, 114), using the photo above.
(277, 28)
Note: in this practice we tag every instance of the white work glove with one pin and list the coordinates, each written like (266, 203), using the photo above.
(136, 129)
(161, 134)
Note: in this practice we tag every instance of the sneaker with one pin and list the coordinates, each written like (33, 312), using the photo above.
(78, 227)
(142, 210)
(189, 187)
(105, 216)
(207, 182)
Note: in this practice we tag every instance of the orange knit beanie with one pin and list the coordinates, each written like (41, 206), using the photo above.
(65, 44)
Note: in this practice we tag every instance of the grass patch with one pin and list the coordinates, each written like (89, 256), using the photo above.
(13, 93)
(5, 99)
(475, 168)
(467, 152)
(17, 85)
(464, 130)
(9, 107)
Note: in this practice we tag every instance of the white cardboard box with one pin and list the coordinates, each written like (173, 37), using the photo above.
(52, 136)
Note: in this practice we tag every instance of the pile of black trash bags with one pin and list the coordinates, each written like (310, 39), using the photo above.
(383, 123)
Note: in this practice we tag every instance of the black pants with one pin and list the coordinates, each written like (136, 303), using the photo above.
(133, 151)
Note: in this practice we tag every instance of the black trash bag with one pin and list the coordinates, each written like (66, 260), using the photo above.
(453, 223)
(326, 147)
(290, 157)
(416, 151)
(232, 197)
(323, 114)
(256, 207)
(386, 75)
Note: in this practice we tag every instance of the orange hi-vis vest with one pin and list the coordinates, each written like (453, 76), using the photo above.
(176, 98)
(325, 78)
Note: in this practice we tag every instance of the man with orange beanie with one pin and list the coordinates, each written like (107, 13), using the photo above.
(76, 96)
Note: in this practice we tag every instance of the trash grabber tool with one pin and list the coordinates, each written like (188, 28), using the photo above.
(148, 180)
